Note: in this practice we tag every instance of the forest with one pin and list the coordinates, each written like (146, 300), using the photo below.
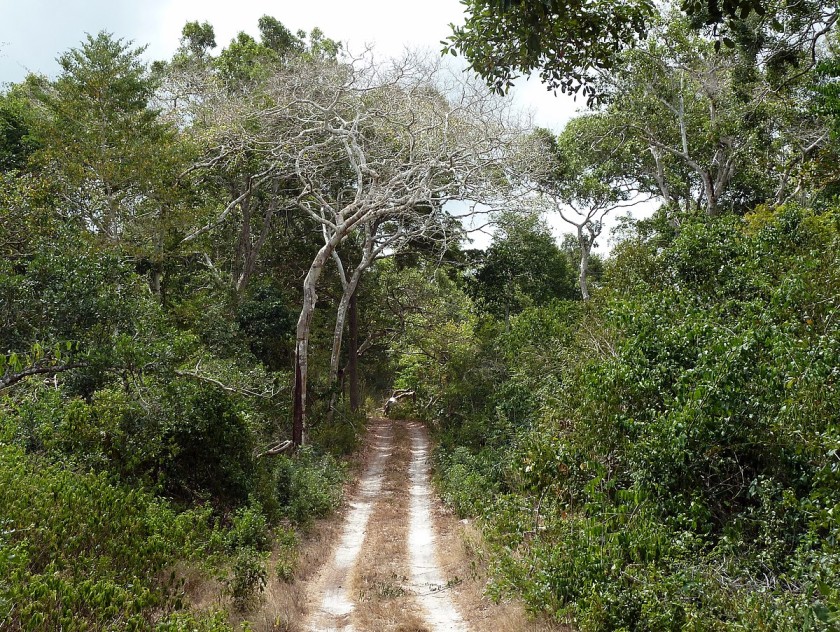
(216, 269)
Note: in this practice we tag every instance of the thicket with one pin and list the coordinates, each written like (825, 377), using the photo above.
(139, 391)
(666, 456)
(137, 457)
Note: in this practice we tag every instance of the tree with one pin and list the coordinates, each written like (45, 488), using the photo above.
(523, 267)
(581, 175)
(571, 43)
(16, 134)
(101, 137)
(566, 41)
(225, 106)
(705, 129)
(404, 138)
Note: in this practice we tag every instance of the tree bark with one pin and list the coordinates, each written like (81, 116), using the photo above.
(341, 319)
(304, 326)
(353, 353)
(585, 248)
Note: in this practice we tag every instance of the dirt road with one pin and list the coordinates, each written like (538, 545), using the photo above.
(384, 572)
(400, 562)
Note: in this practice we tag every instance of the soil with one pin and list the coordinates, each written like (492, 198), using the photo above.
(401, 562)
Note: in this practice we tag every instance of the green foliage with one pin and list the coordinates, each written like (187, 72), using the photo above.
(522, 267)
(198, 39)
(464, 481)
(212, 446)
(248, 579)
(249, 529)
(124, 158)
(191, 622)
(268, 324)
(17, 142)
(286, 541)
(566, 42)
(308, 485)
(340, 435)
(78, 552)
(674, 465)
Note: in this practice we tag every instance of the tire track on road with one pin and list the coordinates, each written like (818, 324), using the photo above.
(430, 586)
(337, 604)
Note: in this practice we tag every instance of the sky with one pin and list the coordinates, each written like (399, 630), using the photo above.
(34, 33)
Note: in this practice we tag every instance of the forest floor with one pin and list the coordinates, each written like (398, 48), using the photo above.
(397, 560)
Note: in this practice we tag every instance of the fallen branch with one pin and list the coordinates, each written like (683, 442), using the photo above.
(397, 396)
(224, 387)
(280, 448)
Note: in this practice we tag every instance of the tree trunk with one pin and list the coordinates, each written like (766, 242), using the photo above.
(585, 248)
(341, 319)
(304, 326)
(353, 353)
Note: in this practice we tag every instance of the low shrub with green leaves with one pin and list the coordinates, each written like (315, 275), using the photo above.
(248, 578)
(308, 485)
(78, 552)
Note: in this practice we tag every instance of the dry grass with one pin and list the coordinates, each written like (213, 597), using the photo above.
(380, 580)
(287, 605)
(283, 605)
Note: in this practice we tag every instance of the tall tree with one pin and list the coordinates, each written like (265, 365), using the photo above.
(570, 43)
(565, 41)
(406, 137)
(522, 267)
(101, 137)
(582, 175)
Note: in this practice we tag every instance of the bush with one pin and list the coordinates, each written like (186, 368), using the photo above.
(340, 435)
(464, 483)
(308, 485)
(249, 529)
(248, 578)
(78, 552)
(673, 465)
(286, 541)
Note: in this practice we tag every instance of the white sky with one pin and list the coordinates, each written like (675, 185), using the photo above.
(34, 33)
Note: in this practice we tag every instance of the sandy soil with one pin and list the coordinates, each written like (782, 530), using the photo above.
(402, 563)
(333, 584)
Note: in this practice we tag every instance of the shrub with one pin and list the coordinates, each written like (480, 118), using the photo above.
(78, 552)
(674, 466)
(248, 578)
(249, 529)
(308, 485)
(287, 555)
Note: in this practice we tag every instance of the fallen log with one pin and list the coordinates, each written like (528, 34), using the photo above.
(280, 448)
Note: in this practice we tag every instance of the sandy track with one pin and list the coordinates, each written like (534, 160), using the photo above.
(337, 603)
(430, 586)
(384, 574)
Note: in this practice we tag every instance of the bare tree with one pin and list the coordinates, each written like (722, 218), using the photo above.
(377, 146)
(358, 146)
